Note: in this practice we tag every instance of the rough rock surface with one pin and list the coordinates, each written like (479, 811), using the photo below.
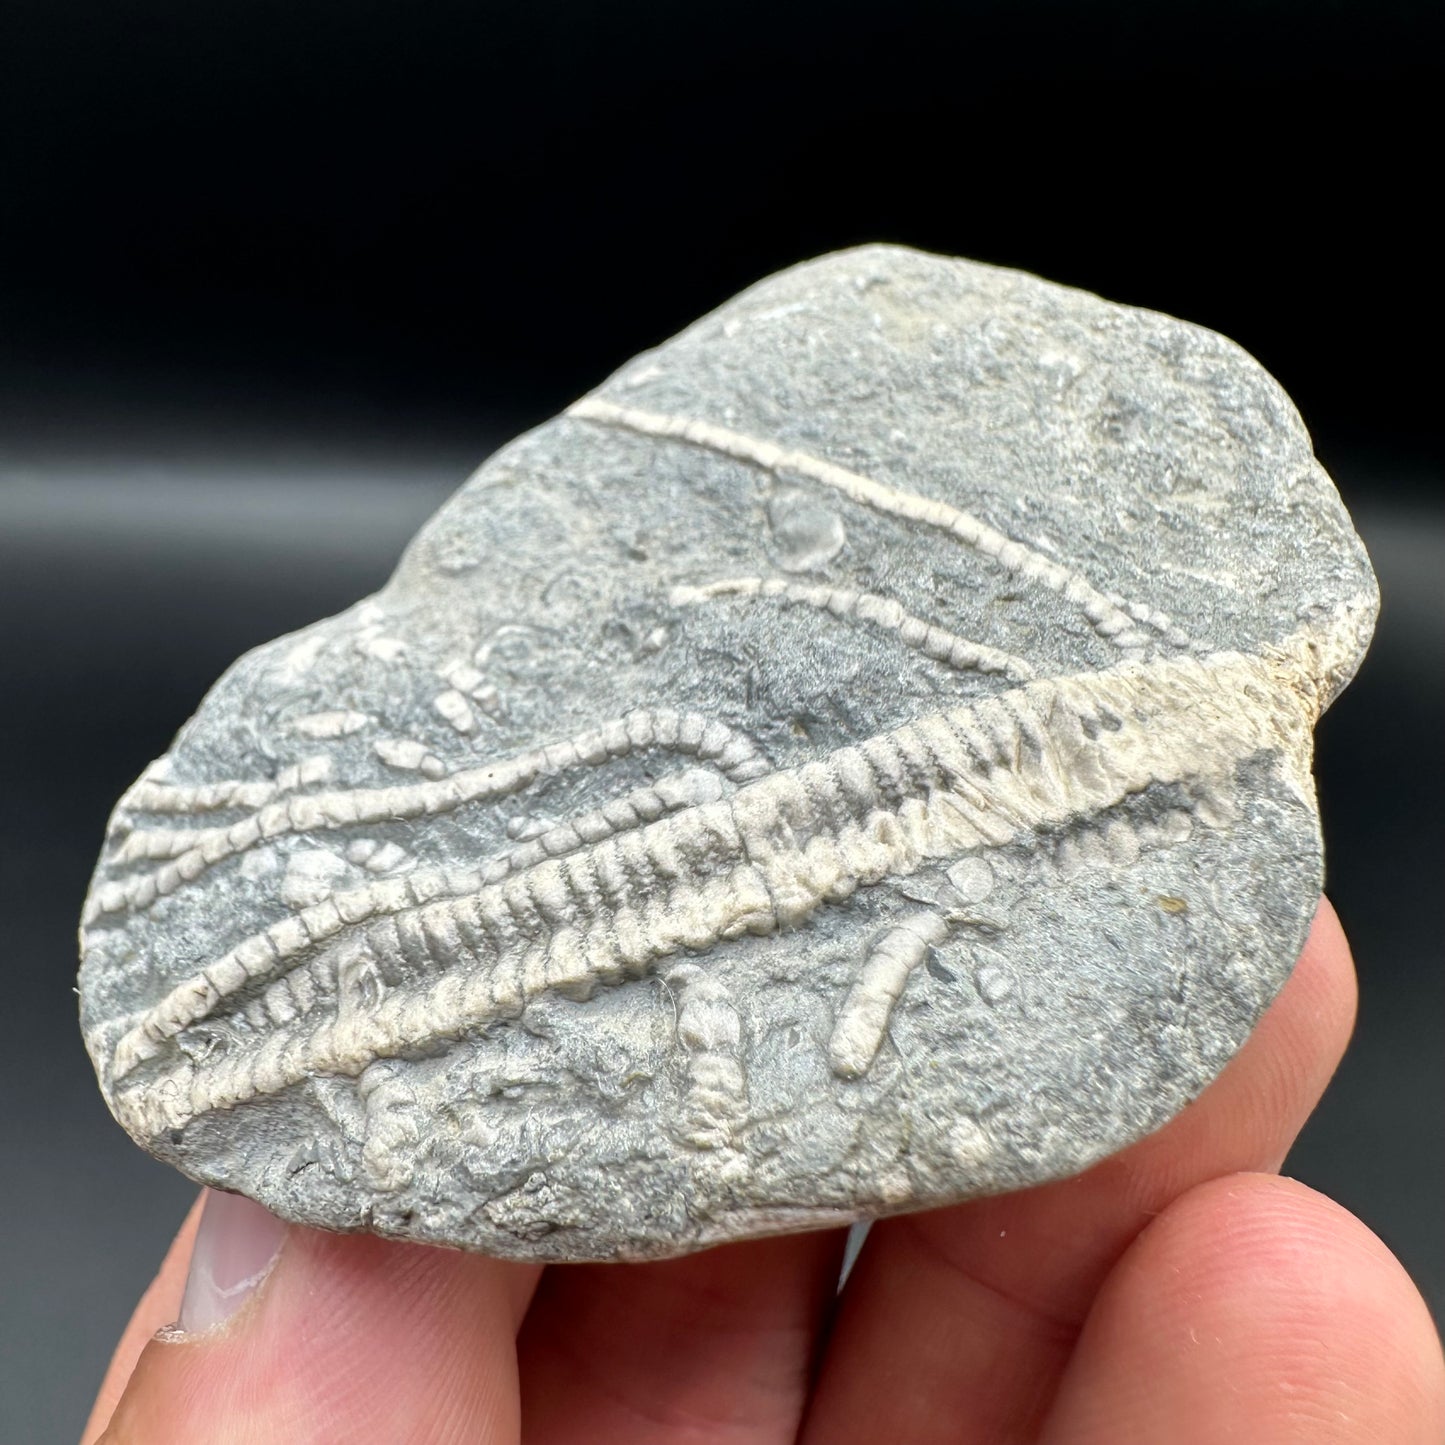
(855, 759)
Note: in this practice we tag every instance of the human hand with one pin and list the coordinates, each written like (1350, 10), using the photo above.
(1178, 1293)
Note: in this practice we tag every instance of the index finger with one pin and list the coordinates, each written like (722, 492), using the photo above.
(977, 1307)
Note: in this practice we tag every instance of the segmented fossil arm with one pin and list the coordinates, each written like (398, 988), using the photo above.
(1113, 618)
(863, 1020)
(766, 858)
(935, 642)
(152, 795)
(691, 734)
(276, 950)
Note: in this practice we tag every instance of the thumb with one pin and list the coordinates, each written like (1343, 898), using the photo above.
(297, 1336)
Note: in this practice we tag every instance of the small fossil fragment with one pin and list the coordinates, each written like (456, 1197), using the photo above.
(856, 759)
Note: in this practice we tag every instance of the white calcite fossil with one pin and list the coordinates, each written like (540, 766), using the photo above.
(856, 759)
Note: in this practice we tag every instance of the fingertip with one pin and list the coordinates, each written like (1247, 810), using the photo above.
(1255, 1308)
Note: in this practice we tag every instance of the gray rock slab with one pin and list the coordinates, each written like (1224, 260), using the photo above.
(856, 759)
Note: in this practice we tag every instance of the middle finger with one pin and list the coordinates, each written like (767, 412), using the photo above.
(715, 1349)
(956, 1324)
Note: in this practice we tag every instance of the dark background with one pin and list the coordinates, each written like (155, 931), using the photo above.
(275, 276)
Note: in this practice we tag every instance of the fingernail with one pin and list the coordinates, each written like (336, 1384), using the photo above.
(236, 1246)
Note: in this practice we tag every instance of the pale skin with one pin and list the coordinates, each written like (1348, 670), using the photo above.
(1182, 1292)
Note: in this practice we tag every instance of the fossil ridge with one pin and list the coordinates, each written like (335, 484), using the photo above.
(856, 759)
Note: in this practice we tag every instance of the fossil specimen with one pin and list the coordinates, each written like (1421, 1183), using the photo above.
(855, 759)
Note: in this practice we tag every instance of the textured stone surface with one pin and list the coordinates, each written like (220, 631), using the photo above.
(856, 759)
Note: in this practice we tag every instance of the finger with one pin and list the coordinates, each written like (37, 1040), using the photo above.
(717, 1347)
(159, 1305)
(972, 1312)
(1255, 1309)
(296, 1335)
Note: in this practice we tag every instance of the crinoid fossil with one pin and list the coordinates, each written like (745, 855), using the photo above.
(856, 759)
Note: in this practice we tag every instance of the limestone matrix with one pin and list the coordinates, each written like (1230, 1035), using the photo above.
(856, 759)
